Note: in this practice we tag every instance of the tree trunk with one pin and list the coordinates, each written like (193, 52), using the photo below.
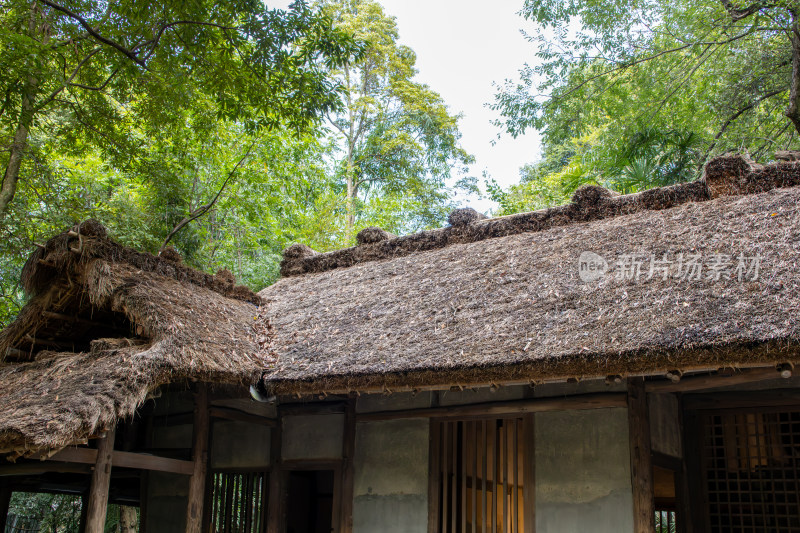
(20, 142)
(18, 148)
(793, 112)
(351, 194)
(127, 519)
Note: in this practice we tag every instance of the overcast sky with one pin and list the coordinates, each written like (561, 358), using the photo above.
(462, 47)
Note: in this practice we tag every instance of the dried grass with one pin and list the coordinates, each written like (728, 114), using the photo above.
(727, 175)
(513, 307)
(190, 327)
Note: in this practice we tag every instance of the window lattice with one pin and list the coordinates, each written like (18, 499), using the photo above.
(481, 472)
(238, 502)
(750, 463)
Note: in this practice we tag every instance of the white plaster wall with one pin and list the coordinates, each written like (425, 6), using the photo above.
(391, 477)
(583, 480)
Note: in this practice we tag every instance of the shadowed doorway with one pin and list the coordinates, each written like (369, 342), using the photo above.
(310, 501)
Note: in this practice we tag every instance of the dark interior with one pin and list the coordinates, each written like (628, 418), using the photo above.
(310, 501)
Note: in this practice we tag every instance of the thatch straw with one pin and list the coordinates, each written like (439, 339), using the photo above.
(185, 326)
(723, 176)
(72, 249)
(513, 307)
(372, 235)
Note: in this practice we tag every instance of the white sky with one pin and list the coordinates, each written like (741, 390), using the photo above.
(462, 47)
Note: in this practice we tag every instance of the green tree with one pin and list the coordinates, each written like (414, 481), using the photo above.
(642, 93)
(92, 69)
(398, 141)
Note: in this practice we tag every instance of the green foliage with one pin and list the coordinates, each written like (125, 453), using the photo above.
(145, 153)
(640, 93)
(92, 74)
(398, 142)
(56, 513)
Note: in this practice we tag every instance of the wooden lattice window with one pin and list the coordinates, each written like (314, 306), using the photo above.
(482, 467)
(238, 502)
(666, 522)
(750, 471)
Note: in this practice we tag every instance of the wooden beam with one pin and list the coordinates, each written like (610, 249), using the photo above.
(98, 490)
(711, 381)
(76, 455)
(16, 353)
(513, 407)
(194, 508)
(153, 462)
(228, 413)
(764, 400)
(318, 408)
(51, 343)
(41, 467)
(348, 470)
(641, 467)
(122, 459)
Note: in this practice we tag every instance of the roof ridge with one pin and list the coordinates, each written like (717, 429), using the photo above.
(88, 240)
(723, 176)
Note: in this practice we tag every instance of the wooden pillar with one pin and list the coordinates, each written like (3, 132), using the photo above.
(348, 474)
(529, 472)
(641, 466)
(5, 501)
(197, 483)
(434, 474)
(276, 479)
(98, 491)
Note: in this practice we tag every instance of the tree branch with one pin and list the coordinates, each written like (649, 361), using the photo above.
(105, 40)
(99, 87)
(649, 58)
(68, 81)
(203, 209)
(732, 118)
(739, 14)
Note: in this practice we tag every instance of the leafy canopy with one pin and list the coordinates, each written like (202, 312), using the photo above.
(641, 93)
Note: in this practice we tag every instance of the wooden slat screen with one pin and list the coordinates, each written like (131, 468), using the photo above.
(238, 502)
(751, 471)
(665, 522)
(481, 472)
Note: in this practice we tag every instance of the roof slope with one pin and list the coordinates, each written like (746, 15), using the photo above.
(514, 307)
(169, 324)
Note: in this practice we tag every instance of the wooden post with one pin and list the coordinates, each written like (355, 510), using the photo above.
(434, 474)
(641, 466)
(98, 491)
(197, 483)
(5, 501)
(276, 480)
(529, 473)
(348, 474)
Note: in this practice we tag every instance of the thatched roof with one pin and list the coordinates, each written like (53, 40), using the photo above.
(501, 300)
(481, 301)
(132, 322)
